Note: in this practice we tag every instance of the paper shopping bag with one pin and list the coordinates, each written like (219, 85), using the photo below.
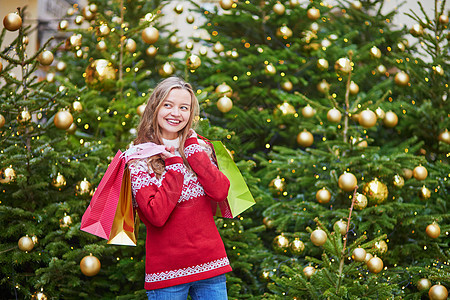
(239, 197)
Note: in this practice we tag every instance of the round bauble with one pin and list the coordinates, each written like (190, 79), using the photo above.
(90, 265)
(151, 51)
(224, 89)
(359, 142)
(367, 118)
(438, 70)
(375, 265)
(342, 226)
(46, 58)
(416, 30)
(178, 9)
(7, 175)
(401, 78)
(318, 237)
(443, 19)
(444, 136)
(166, 70)
(93, 8)
(433, 230)
(59, 181)
(359, 254)
(286, 108)
(226, 4)
(347, 182)
(150, 35)
(398, 181)
(294, 3)
(375, 52)
(313, 13)
(280, 243)
(224, 104)
(380, 247)
(61, 66)
(2, 121)
(380, 113)
(101, 45)
(25, 243)
(356, 5)
(71, 129)
(390, 120)
(438, 292)
(277, 184)
(63, 119)
(77, 106)
(270, 69)
(305, 138)
(12, 21)
(369, 256)
(360, 201)
(322, 64)
(65, 221)
(423, 284)
(189, 45)
(375, 191)
(39, 296)
(407, 173)
(308, 111)
(203, 50)
(381, 69)
(279, 8)
(287, 86)
(79, 20)
(334, 115)
(63, 25)
(284, 32)
(140, 109)
(24, 116)
(353, 88)
(323, 196)
(323, 86)
(130, 45)
(309, 271)
(343, 66)
(103, 30)
(268, 222)
(173, 40)
(74, 41)
(100, 75)
(193, 62)
(87, 13)
(83, 187)
(218, 47)
(420, 173)
(190, 19)
(424, 193)
(296, 246)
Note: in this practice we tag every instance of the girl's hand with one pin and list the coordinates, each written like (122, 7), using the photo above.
(192, 133)
(170, 152)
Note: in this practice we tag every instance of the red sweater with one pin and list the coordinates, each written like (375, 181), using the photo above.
(183, 243)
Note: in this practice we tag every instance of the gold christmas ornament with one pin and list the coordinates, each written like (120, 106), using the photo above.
(90, 265)
(296, 246)
(407, 173)
(309, 271)
(279, 8)
(342, 226)
(313, 13)
(416, 30)
(150, 35)
(359, 254)
(361, 201)
(103, 30)
(2, 121)
(444, 136)
(305, 138)
(401, 78)
(63, 25)
(284, 32)
(24, 116)
(375, 52)
(318, 237)
(74, 41)
(381, 247)
(78, 20)
(287, 86)
(224, 104)
(45, 58)
(353, 88)
(270, 69)
(166, 70)
(322, 64)
(433, 230)
(294, 3)
(368, 257)
(178, 9)
(380, 113)
(203, 50)
(398, 181)
(438, 292)
(87, 13)
(443, 19)
(367, 118)
(39, 296)
(130, 45)
(93, 8)
(375, 191)
(59, 181)
(77, 106)
(65, 221)
(286, 108)
(423, 284)
(25, 243)
(61, 66)
(359, 142)
(189, 45)
(190, 19)
(224, 89)
(308, 111)
(438, 70)
(420, 172)
(334, 115)
(63, 119)
(83, 187)
(375, 265)
(424, 193)
(12, 21)
(347, 182)
(268, 222)
(101, 46)
(401, 46)
(218, 47)
(100, 75)
(357, 5)
(7, 175)
(343, 66)
(72, 128)
(381, 69)
(277, 184)
(280, 243)
(323, 196)
(323, 86)
(151, 51)
(390, 120)
(173, 40)
(193, 62)
(140, 109)
(226, 4)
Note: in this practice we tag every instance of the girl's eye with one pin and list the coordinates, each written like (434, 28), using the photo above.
(166, 105)
(184, 108)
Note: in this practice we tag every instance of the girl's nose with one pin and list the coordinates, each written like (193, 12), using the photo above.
(175, 111)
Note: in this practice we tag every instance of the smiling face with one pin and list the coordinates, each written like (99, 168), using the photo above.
(174, 113)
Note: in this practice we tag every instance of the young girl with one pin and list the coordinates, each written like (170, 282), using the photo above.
(173, 193)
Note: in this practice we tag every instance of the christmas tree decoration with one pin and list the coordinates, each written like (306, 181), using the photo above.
(51, 77)
(305, 138)
(375, 52)
(367, 118)
(380, 247)
(424, 193)
(150, 35)
(59, 181)
(151, 51)
(359, 142)
(401, 46)
(433, 230)
(103, 30)
(83, 187)
(359, 254)
(173, 41)
(323, 86)
(24, 116)
(90, 265)
(71, 129)
(438, 292)
(87, 13)
(343, 66)
(277, 184)
(2, 121)
(313, 13)
(308, 111)
(380, 113)
(375, 191)
(369, 256)
(63, 119)
(218, 47)
(101, 45)
(284, 32)
(438, 70)
(334, 115)
(46, 58)
(63, 25)
(178, 9)
(224, 104)
(74, 41)
(423, 284)
(193, 62)
(7, 175)
(323, 196)
(100, 75)
(416, 30)
(309, 271)
(356, 5)
(39, 296)
(318, 237)
(420, 173)
(381, 69)
(322, 64)
(226, 4)
(279, 8)
(342, 226)
(347, 182)
(444, 136)
(353, 88)
(286, 108)
(270, 69)
(390, 120)
(25, 243)
(78, 20)
(294, 3)
(77, 106)
(287, 86)
(407, 173)
(203, 50)
(398, 181)
(443, 19)
(280, 243)
(224, 89)
(140, 109)
(189, 46)
(296, 246)
(401, 78)
(375, 265)
(61, 66)
(361, 201)
(65, 221)
(12, 21)
(130, 45)
(166, 70)
(190, 19)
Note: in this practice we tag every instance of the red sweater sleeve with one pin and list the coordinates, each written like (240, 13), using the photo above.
(156, 198)
(214, 182)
